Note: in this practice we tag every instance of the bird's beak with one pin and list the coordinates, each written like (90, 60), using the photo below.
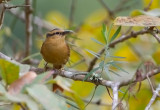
(68, 31)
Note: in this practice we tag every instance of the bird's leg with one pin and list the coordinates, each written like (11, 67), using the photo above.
(45, 67)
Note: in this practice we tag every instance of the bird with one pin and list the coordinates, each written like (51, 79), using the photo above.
(55, 49)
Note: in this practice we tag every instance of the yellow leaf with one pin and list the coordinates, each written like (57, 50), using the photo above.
(57, 19)
(87, 88)
(155, 4)
(156, 56)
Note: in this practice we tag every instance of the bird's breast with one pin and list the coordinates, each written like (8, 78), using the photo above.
(55, 51)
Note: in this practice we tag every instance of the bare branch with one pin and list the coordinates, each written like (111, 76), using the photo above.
(37, 21)
(2, 7)
(149, 5)
(155, 94)
(111, 14)
(72, 10)
(29, 28)
(115, 88)
(156, 36)
(10, 7)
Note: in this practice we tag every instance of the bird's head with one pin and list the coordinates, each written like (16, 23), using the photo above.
(58, 32)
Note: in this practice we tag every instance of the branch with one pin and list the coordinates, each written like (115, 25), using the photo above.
(155, 94)
(143, 77)
(115, 88)
(37, 21)
(119, 40)
(149, 5)
(2, 7)
(156, 36)
(29, 28)
(76, 75)
(72, 10)
(111, 14)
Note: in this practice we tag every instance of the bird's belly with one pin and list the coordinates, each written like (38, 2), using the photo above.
(56, 54)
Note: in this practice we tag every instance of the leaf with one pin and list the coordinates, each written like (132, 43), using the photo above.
(118, 67)
(8, 71)
(101, 64)
(108, 34)
(115, 34)
(17, 85)
(104, 30)
(93, 53)
(116, 56)
(115, 73)
(31, 56)
(44, 96)
(2, 89)
(98, 42)
(77, 88)
(142, 20)
(41, 64)
(32, 105)
(90, 73)
(107, 71)
(78, 101)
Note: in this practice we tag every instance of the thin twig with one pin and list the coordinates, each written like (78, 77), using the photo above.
(91, 97)
(37, 21)
(150, 83)
(115, 42)
(10, 7)
(72, 10)
(111, 14)
(2, 14)
(155, 94)
(149, 5)
(156, 36)
(29, 28)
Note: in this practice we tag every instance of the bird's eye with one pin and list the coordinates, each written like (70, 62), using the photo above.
(57, 33)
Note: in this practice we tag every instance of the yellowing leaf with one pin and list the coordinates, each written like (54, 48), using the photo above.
(76, 98)
(96, 17)
(142, 20)
(77, 88)
(156, 56)
(8, 71)
(57, 19)
(126, 52)
(155, 4)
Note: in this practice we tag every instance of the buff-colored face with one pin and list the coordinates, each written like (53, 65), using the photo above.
(59, 32)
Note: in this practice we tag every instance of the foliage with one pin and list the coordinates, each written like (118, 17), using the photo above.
(92, 23)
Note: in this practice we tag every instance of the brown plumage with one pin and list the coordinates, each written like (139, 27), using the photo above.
(55, 50)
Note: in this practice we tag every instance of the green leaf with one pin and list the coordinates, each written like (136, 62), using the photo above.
(93, 53)
(104, 30)
(48, 99)
(118, 67)
(98, 42)
(8, 71)
(115, 73)
(31, 56)
(90, 73)
(2, 89)
(116, 56)
(22, 98)
(101, 64)
(107, 71)
(115, 34)
(108, 34)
